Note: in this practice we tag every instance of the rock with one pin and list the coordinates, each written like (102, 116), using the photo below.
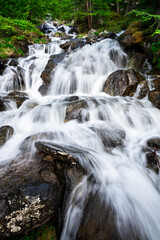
(91, 39)
(5, 133)
(43, 89)
(111, 35)
(3, 65)
(154, 143)
(73, 29)
(152, 157)
(151, 162)
(109, 138)
(29, 196)
(144, 89)
(73, 44)
(92, 31)
(61, 29)
(71, 99)
(122, 83)
(136, 61)
(18, 78)
(52, 63)
(74, 110)
(132, 42)
(154, 95)
(67, 168)
(2, 105)
(95, 224)
(65, 36)
(13, 63)
(45, 28)
(18, 97)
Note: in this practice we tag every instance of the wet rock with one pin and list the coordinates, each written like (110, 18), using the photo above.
(73, 30)
(29, 196)
(43, 89)
(74, 110)
(18, 78)
(5, 133)
(18, 97)
(136, 61)
(67, 168)
(52, 63)
(111, 35)
(133, 43)
(92, 39)
(65, 36)
(95, 224)
(72, 98)
(154, 143)
(110, 139)
(29, 142)
(152, 161)
(3, 65)
(154, 95)
(144, 89)
(45, 28)
(13, 63)
(61, 29)
(73, 44)
(2, 105)
(122, 83)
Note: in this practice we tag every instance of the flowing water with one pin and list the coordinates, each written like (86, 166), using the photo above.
(120, 172)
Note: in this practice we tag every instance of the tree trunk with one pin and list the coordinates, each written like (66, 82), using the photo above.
(127, 8)
(117, 6)
(88, 3)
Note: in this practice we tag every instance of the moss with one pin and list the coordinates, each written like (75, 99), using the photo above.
(46, 232)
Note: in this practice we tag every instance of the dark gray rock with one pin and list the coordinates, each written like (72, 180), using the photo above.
(122, 83)
(52, 63)
(3, 65)
(13, 63)
(73, 29)
(61, 29)
(73, 44)
(2, 105)
(43, 89)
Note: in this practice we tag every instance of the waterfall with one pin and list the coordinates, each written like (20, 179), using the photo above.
(121, 178)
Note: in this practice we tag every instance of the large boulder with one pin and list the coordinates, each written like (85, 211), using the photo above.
(29, 196)
(122, 83)
(34, 188)
(3, 65)
(52, 63)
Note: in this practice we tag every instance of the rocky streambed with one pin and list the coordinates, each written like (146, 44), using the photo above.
(79, 139)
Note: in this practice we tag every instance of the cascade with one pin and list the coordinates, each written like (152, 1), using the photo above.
(119, 175)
